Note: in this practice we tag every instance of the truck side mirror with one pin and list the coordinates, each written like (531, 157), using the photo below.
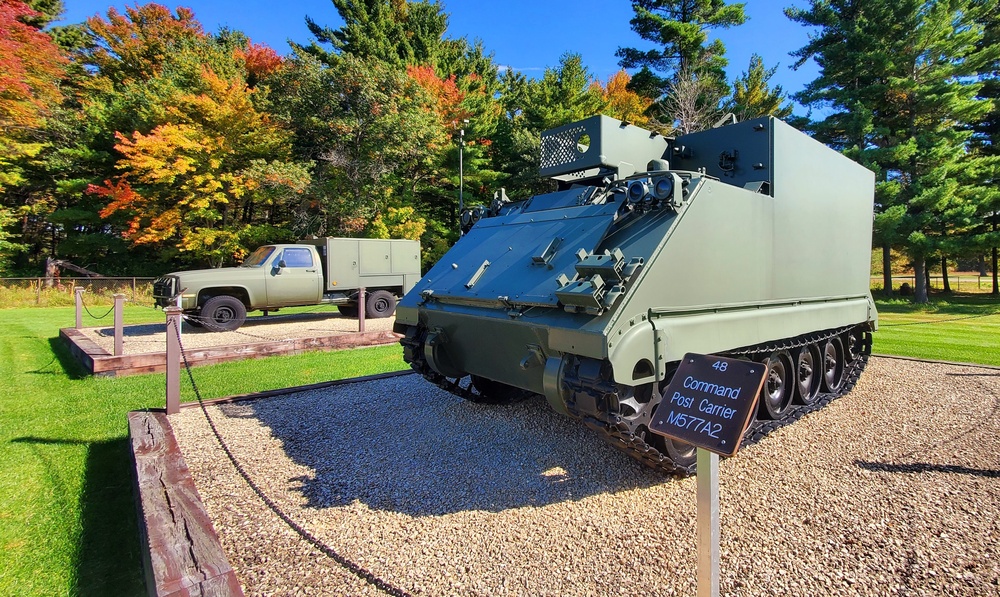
(281, 264)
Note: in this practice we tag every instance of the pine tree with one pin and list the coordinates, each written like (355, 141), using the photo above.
(397, 32)
(680, 28)
(752, 97)
(900, 77)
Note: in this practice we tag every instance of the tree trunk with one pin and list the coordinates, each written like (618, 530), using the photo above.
(886, 269)
(920, 280)
(927, 274)
(944, 274)
(982, 265)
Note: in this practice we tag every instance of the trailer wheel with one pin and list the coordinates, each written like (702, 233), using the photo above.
(223, 313)
(380, 304)
(348, 310)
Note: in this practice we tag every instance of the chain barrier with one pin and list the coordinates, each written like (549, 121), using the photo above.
(87, 309)
(198, 321)
(350, 566)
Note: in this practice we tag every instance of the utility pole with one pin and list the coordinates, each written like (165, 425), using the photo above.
(461, 174)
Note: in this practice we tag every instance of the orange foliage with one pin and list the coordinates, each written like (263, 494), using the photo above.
(447, 96)
(30, 68)
(260, 60)
(136, 43)
(122, 198)
(621, 103)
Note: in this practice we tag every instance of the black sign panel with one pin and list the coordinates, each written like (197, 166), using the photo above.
(709, 402)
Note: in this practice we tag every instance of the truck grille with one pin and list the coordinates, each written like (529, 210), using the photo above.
(164, 289)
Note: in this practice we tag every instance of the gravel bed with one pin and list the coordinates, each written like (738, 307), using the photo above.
(151, 337)
(892, 489)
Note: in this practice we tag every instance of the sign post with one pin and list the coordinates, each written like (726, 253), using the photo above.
(708, 404)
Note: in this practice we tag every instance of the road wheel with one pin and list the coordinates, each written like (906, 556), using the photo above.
(380, 304)
(833, 364)
(348, 310)
(779, 386)
(223, 313)
(808, 373)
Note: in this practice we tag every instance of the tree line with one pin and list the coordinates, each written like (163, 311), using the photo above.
(141, 134)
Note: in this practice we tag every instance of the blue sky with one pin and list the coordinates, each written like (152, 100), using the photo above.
(527, 35)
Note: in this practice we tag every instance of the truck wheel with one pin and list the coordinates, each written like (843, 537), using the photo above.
(380, 303)
(223, 313)
(348, 310)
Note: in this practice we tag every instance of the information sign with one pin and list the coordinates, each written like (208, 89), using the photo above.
(709, 402)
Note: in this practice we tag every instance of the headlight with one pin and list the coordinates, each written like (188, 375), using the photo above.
(637, 190)
(664, 188)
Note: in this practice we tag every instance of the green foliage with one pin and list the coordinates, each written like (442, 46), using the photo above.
(752, 97)
(7, 246)
(680, 30)
(901, 79)
(397, 33)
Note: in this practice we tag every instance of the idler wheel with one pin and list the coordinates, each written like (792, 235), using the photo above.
(776, 396)
(853, 345)
(683, 454)
(808, 374)
(833, 365)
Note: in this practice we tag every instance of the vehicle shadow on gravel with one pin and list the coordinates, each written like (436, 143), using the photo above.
(403, 445)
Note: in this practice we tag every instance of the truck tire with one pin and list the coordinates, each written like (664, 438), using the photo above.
(380, 304)
(223, 313)
(348, 310)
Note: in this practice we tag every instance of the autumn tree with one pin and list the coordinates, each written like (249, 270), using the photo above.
(621, 102)
(31, 67)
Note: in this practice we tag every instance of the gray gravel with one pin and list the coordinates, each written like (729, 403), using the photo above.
(890, 490)
(151, 337)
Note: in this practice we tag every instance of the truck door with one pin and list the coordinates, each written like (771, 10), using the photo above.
(299, 282)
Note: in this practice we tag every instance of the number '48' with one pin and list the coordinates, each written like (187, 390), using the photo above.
(720, 365)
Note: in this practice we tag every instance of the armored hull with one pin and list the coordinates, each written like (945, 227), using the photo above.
(750, 240)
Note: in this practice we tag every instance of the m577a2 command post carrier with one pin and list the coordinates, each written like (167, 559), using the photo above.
(311, 272)
(750, 240)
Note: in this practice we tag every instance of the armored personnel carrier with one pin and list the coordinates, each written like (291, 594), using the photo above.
(750, 240)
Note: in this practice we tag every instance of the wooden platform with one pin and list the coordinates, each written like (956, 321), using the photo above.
(181, 553)
(100, 362)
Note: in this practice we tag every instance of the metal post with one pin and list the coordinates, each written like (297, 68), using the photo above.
(708, 523)
(79, 307)
(173, 360)
(38, 293)
(461, 176)
(119, 320)
(361, 309)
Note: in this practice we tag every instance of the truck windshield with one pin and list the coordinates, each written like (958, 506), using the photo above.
(258, 257)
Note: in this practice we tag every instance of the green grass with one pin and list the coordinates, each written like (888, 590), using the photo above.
(961, 328)
(67, 520)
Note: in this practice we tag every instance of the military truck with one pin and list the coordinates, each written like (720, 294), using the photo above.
(750, 240)
(310, 272)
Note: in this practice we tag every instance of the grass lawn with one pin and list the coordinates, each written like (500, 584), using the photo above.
(67, 520)
(961, 327)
